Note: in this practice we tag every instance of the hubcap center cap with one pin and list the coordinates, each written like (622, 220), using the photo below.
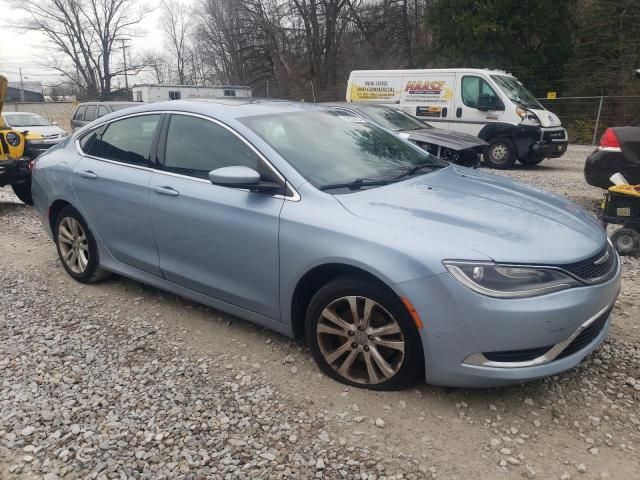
(361, 337)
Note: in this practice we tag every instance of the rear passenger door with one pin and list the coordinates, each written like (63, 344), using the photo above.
(217, 240)
(111, 182)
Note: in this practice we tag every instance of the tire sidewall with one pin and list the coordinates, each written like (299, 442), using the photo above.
(625, 231)
(92, 266)
(413, 364)
(511, 158)
(23, 192)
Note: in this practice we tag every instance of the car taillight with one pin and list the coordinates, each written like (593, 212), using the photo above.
(609, 140)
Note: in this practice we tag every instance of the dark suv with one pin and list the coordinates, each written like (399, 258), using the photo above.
(89, 111)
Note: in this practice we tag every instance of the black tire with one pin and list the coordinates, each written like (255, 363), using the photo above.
(531, 160)
(500, 153)
(23, 192)
(92, 272)
(406, 368)
(626, 241)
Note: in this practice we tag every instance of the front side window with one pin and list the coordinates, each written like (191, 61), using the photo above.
(196, 146)
(128, 140)
(229, 93)
(328, 147)
(174, 95)
(102, 111)
(473, 88)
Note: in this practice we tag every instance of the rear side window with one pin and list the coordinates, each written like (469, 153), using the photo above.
(129, 140)
(88, 142)
(90, 114)
(80, 113)
(196, 146)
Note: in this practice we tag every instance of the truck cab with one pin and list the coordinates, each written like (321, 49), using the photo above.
(490, 104)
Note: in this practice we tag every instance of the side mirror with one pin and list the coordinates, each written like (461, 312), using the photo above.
(242, 177)
(489, 102)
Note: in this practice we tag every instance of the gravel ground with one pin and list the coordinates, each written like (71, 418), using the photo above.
(120, 380)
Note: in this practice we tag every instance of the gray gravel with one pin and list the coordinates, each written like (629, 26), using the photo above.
(122, 381)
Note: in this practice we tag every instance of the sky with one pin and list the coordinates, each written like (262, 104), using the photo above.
(29, 50)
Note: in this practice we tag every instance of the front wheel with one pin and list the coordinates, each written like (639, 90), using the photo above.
(23, 192)
(361, 334)
(500, 153)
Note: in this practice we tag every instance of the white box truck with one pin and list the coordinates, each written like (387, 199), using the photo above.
(490, 104)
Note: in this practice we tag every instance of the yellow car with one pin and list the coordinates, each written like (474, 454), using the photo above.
(15, 164)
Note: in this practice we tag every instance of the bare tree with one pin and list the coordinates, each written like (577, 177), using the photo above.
(85, 32)
(175, 24)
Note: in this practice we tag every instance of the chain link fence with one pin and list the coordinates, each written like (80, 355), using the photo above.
(55, 112)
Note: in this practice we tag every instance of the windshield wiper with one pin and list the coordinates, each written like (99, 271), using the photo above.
(356, 184)
(417, 169)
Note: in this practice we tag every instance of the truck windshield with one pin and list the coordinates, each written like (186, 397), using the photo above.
(516, 91)
(392, 119)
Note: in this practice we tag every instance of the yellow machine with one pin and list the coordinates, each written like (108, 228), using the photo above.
(15, 168)
(621, 206)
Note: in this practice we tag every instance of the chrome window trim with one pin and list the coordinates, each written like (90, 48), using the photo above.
(479, 360)
(294, 197)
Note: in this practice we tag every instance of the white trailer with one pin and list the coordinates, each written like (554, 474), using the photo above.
(158, 93)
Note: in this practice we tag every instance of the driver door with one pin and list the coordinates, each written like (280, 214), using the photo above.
(468, 117)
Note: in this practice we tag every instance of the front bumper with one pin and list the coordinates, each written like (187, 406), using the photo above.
(459, 325)
(14, 171)
(553, 143)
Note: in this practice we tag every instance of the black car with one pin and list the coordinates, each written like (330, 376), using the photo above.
(89, 111)
(451, 146)
(618, 152)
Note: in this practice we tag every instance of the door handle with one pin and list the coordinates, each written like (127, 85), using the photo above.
(166, 190)
(459, 112)
(88, 174)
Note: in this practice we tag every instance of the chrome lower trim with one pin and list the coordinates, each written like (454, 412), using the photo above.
(479, 360)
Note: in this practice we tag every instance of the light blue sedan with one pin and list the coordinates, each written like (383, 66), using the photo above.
(392, 264)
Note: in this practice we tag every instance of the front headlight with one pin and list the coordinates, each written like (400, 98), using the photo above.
(13, 139)
(503, 281)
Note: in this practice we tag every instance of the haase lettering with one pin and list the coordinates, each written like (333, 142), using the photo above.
(425, 86)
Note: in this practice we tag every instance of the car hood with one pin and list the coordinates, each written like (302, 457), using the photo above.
(445, 138)
(44, 131)
(547, 118)
(467, 210)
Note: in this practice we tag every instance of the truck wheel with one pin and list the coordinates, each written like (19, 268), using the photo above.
(531, 160)
(23, 192)
(500, 153)
(626, 240)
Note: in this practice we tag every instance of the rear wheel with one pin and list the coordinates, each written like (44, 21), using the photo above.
(500, 153)
(77, 247)
(361, 334)
(23, 192)
(626, 241)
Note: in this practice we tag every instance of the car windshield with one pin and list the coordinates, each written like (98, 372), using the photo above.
(330, 148)
(26, 120)
(392, 119)
(516, 91)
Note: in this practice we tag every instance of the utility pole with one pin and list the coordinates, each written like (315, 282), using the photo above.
(21, 86)
(124, 56)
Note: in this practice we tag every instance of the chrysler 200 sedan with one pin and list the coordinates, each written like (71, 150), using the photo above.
(392, 264)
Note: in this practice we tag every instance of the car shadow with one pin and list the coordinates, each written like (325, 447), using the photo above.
(8, 208)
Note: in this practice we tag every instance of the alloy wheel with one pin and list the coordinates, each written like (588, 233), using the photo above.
(74, 246)
(360, 340)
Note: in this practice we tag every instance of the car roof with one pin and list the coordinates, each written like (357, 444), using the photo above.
(222, 109)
